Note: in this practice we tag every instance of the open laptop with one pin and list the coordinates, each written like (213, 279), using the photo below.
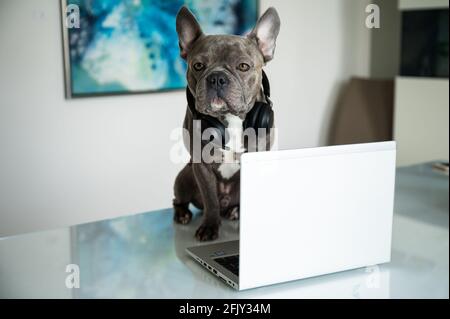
(306, 213)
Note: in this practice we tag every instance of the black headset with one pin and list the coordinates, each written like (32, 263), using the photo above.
(261, 116)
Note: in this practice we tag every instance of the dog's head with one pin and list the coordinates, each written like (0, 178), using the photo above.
(225, 72)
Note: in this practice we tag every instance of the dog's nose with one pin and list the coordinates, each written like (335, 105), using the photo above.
(217, 80)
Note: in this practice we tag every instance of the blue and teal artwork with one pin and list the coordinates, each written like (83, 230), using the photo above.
(131, 46)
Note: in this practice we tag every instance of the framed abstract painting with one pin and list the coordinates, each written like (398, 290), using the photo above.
(131, 46)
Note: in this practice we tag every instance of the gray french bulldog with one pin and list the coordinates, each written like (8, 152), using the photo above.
(225, 78)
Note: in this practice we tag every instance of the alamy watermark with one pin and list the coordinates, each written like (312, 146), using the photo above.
(208, 147)
(373, 279)
(72, 18)
(73, 279)
(373, 20)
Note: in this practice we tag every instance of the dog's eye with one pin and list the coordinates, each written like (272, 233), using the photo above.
(198, 66)
(244, 67)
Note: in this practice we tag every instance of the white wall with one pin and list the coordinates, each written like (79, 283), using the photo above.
(421, 120)
(322, 43)
(421, 109)
(68, 162)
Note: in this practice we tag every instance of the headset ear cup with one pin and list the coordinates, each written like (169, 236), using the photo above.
(252, 117)
(265, 117)
(218, 130)
(260, 117)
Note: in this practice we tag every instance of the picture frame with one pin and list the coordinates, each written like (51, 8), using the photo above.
(108, 52)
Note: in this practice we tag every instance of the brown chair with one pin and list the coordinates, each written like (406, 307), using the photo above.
(364, 113)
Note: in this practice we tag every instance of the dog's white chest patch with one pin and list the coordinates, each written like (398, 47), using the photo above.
(227, 171)
(231, 165)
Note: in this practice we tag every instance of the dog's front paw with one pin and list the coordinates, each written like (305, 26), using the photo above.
(182, 215)
(207, 232)
(232, 213)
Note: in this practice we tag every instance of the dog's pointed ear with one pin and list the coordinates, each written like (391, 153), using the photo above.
(266, 32)
(188, 30)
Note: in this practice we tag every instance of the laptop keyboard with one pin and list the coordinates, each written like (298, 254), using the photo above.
(230, 263)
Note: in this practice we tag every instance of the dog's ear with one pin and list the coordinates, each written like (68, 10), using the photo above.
(266, 32)
(188, 31)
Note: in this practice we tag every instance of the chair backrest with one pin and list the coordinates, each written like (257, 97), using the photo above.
(364, 113)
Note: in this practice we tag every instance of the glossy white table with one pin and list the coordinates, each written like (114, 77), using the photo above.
(143, 256)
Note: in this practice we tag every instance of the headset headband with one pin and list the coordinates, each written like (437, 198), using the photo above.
(266, 84)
